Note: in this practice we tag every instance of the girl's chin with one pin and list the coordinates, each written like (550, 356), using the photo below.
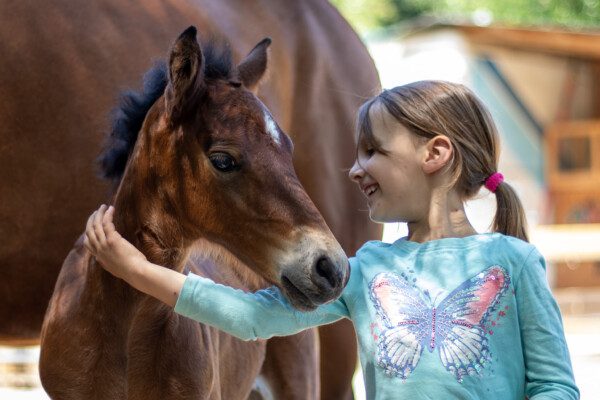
(378, 218)
(382, 218)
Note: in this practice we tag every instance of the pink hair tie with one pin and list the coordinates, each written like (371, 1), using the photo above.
(494, 181)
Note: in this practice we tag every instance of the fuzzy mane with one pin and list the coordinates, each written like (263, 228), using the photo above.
(129, 115)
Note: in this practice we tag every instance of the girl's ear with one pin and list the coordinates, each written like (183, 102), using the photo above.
(438, 154)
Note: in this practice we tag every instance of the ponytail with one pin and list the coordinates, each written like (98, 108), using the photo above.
(510, 216)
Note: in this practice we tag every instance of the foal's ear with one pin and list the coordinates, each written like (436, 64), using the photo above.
(186, 75)
(253, 67)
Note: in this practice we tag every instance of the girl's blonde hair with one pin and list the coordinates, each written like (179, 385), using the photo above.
(431, 108)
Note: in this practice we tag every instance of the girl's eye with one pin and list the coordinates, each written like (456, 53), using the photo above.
(369, 151)
(223, 162)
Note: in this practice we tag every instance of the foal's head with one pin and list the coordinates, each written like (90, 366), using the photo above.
(210, 162)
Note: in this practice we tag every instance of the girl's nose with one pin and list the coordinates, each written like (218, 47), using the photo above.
(356, 172)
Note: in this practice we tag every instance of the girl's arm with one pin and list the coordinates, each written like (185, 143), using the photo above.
(548, 370)
(247, 316)
(250, 316)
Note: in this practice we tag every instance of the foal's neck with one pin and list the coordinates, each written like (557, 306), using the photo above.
(155, 233)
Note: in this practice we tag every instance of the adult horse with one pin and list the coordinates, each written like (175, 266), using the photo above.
(61, 68)
(206, 165)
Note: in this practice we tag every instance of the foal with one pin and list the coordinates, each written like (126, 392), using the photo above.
(208, 169)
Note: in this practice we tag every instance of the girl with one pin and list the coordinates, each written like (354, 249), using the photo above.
(443, 313)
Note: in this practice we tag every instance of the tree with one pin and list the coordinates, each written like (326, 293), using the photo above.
(366, 15)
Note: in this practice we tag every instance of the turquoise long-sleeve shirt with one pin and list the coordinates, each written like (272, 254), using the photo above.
(456, 318)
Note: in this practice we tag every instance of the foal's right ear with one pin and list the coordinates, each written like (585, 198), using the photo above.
(186, 75)
(253, 67)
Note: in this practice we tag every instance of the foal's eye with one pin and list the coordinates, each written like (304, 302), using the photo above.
(223, 162)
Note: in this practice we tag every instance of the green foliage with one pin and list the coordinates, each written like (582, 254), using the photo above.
(366, 15)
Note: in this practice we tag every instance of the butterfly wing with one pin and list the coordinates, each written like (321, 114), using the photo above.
(402, 316)
(459, 329)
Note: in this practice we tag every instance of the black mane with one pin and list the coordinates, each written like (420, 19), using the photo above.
(129, 115)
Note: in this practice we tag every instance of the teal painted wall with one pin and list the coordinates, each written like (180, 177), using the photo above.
(519, 132)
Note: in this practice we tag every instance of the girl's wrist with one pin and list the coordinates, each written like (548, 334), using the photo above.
(134, 271)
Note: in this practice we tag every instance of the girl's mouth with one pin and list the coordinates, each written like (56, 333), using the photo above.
(370, 189)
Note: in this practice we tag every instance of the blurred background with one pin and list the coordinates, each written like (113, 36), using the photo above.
(536, 64)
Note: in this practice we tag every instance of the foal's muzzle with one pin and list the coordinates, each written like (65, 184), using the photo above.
(320, 282)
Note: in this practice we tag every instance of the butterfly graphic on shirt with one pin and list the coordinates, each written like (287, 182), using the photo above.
(410, 322)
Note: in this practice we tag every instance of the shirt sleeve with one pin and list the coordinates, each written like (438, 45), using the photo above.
(548, 371)
(250, 316)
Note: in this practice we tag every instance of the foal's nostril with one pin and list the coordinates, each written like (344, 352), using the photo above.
(326, 269)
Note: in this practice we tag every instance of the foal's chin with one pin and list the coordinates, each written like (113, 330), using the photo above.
(296, 297)
(307, 299)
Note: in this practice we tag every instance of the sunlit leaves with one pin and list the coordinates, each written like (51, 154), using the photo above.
(367, 15)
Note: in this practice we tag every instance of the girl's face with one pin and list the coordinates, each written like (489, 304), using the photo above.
(391, 175)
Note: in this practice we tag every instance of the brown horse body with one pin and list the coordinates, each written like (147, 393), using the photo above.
(209, 166)
(61, 68)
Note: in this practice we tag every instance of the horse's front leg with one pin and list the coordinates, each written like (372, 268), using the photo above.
(291, 367)
(169, 356)
(339, 358)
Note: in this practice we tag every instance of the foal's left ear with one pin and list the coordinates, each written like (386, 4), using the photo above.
(253, 67)
(186, 75)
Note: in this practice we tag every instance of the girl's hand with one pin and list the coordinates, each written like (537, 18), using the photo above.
(123, 260)
(115, 254)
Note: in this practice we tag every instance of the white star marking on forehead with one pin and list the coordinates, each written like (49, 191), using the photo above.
(272, 127)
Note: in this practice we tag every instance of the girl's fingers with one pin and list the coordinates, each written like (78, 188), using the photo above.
(90, 234)
(107, 222)
(98, 230)
(86, 244)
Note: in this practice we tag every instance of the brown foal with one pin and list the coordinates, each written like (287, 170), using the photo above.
(209, 168)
